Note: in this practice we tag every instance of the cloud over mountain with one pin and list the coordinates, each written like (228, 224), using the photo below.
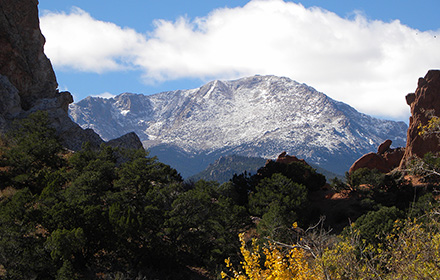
(369, 64)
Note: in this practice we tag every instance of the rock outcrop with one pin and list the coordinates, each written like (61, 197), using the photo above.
(385, 146)
(27, 79)
(385, 160)
(285, 158)
(425, 102)
(127, 141)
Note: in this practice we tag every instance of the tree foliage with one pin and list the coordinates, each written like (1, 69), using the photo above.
(277, 194)
(105, 212)
(408, 251)
(31, 153)
(111, 213)
(277, 200)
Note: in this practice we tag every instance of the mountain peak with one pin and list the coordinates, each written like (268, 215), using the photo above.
(253, 116)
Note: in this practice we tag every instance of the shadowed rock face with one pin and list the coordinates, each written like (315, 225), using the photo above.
(285, 158)
(424, 102)
(27, 79)
(21, 52)
(127, 141)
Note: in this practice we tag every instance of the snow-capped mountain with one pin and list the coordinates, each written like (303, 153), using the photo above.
(256, 116)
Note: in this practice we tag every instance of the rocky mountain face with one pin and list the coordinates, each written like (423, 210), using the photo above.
(27, 80)
(258, 116)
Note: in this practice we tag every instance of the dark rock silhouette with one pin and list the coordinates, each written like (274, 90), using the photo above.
(21, 52)
(27, 79)
(285, 158)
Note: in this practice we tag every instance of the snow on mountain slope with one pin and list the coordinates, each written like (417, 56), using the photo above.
(255, 116)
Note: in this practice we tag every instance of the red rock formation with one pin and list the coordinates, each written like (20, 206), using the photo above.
(384, 146)
(285, 158)
(393, 157)
(425, 101)
(385, 160)
(370, 161)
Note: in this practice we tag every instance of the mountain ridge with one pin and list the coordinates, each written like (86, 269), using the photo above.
(253, 116)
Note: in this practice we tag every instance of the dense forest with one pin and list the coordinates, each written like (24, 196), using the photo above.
(109, 213)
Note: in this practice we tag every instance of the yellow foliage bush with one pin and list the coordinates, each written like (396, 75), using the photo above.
(415, 252)
(410, 251)
(351, 258)
(272, 262)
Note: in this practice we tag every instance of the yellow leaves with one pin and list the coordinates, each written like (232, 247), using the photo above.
(279, 263)
(285, 265)
(410, 251)
(433, 126)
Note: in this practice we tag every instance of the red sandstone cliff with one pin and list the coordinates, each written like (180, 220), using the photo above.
(425, 101)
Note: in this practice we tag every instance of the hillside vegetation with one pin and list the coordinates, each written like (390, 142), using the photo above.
(120, 214)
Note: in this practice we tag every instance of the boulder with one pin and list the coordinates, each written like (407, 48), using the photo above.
(385, 160)
(385, 146)
(371, 161)
(127, 141)
(424, 104)
(393, 157)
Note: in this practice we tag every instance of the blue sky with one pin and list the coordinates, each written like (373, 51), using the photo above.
(368, 54)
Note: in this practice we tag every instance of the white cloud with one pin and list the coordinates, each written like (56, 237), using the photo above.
(78, 41)
(370, 65)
